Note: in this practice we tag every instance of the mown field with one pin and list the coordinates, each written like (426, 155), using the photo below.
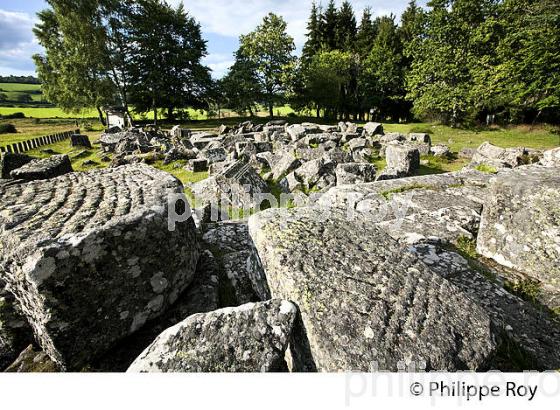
(14, 90)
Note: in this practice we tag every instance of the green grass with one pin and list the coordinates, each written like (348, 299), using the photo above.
(29, 128)
(46, 112)
(466, 247)
(438, 165)
(487, 169)
(14, 90)
(538, 137)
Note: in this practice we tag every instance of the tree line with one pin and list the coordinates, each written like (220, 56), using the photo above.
(456, 61)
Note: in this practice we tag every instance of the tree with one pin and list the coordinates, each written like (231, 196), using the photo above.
(526, 79)
(240, 87)
(328, 81)
(382, 79)
(447, 60)
(328, 26)
(165, 63)
(346, 28)
(269, 50)
(366, 34)
(313, 43)
(74, 68)
(3, 97)
(24, 98)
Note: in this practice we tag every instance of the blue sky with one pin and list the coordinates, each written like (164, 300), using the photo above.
(222, 22)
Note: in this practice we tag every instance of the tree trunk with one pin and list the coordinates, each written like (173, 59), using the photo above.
(101, 116)
(318, 111)
(155, 111)
(271, 109)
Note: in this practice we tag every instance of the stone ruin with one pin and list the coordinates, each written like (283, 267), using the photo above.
(366, 270)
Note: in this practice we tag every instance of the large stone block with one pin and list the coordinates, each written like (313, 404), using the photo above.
(403, 158)
(43, 168)
(91, 258)
(366, 303)
(248, 338)
(520, 225)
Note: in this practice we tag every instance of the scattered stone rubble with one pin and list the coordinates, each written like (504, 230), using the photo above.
(365, 269)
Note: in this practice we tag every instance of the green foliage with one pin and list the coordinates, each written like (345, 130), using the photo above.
(269, 54)
(329, 80)
(240, 87)
(165, 58)
(105, 52)
(527, 289)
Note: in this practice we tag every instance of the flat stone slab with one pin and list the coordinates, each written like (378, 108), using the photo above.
(43, 168)
(91, 258)
(520, 225)
(366, 303)
(248, 338)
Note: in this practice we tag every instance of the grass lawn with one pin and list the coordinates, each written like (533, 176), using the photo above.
(538, 137)
(14, 90)
(29, 128)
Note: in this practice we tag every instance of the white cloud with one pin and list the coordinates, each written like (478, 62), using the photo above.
(235, 17)
(17, 42)
(218, 63)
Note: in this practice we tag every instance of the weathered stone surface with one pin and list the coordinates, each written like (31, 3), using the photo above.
(551, 158)
(497, 157)
(248, 338)
(285, 164)
(180, 133)
(124, 142)
(392, 137)
(78, 253)
(402, 158)
(178, 153)
(10, 161)
(311, 171)
(201, 296)
(440, 150)
(365, 302)
(353, 173)
(520, 225)
(369, 198)
(214, 155)
(531, 328)
(77, 140)
(290, 183)
(373, 128)
(238, 186)
(242, 279)
(33, 360)
(43, 168)
(15, 333)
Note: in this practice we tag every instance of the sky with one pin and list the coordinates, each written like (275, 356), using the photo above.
(222, 21)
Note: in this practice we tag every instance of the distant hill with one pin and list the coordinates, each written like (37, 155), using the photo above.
(20, 79)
